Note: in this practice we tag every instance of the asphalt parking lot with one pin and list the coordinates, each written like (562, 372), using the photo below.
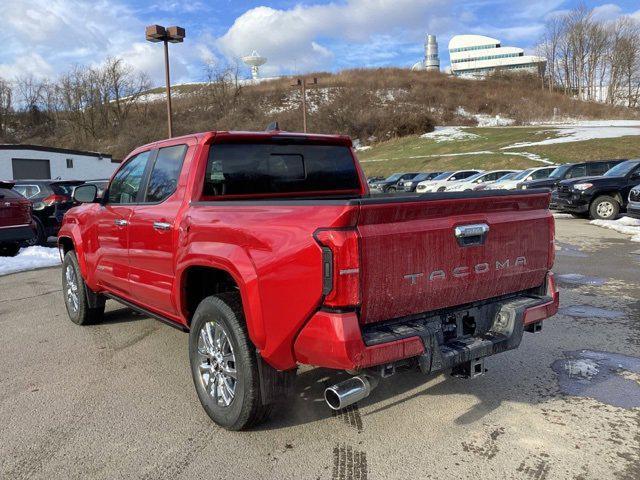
(115, 400)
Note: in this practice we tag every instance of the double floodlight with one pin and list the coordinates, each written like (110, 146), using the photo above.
(158, 33)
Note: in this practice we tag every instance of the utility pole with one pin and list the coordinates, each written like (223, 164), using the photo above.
(302, 83)
(158, 33)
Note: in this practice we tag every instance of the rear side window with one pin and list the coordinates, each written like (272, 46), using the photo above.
(165, 173)
(7, 194)
(597, 168)
(254, 169)
(125, 185)
(577, 171)
(28, 191)
(467, 174)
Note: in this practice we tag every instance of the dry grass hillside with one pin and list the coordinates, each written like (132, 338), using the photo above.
(370, 105)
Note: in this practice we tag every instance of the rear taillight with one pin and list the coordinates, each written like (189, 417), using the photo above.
(340, 267)
(51, 199)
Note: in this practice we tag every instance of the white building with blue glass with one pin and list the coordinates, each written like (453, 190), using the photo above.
(477, 55)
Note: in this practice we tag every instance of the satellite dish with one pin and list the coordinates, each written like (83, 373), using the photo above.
(255, 61)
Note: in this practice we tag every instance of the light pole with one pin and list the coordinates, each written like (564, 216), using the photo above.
(158, 33)
(302, 83)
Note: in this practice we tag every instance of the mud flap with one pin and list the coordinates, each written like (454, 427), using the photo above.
(275, 385)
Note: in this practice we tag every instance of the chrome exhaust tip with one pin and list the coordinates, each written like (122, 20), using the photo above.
(350, 391)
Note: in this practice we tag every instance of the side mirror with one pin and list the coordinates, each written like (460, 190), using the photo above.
(85, 193)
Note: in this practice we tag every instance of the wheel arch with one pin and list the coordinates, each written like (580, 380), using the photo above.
(200, 279)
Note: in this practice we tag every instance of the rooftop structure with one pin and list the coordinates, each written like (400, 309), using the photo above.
(477, 55)
(431, 60)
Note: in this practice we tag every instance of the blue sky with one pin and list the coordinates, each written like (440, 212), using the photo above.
(48, 37)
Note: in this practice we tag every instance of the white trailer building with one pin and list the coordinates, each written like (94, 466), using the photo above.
(20, 162)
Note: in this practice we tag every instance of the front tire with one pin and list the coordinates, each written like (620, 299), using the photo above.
(604, 208)
(224, 364)
(40, 237)
(75, 293)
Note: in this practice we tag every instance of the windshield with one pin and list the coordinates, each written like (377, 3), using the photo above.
(622, 169)
(394, 177)
(523, 174)
(442, 176)
(560, 171)
(474, 177)
(508, 176)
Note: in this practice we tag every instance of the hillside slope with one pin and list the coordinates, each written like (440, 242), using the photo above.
(372, 106)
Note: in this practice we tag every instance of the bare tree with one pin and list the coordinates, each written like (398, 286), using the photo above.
(6, 107)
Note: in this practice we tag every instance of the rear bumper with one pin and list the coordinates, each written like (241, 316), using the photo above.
(336, 340)
(19, 233)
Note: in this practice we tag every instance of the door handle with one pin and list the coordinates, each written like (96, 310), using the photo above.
(163, 226)
(120, 222)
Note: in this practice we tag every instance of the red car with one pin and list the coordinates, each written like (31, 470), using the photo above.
(16, 224)
(268, 249)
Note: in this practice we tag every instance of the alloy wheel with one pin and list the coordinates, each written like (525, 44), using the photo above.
(71, 288)
(217, 363)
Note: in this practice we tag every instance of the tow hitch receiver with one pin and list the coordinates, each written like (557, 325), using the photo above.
(471, 369)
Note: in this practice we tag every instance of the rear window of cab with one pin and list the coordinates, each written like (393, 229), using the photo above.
(236, 169)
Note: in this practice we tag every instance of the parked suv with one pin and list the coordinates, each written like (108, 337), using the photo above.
(538, 173)
(633, 206)
(51, 199)
(16, 223)
(267, 248)
(439, 183)
(390, 184)
(600, 197)
(410, 185)
(571, 170)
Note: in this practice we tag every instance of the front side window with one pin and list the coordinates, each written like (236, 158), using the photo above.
(166, 170)
(126, 184)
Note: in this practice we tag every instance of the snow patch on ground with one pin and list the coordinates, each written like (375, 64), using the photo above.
(448, 134)
(589, 123)
(30, 258)
(625, 225)
(562, 215)
(532, 156)
(586, 131)
(363, 148)
(485, 120)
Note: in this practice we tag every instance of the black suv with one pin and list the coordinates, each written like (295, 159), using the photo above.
(410, 185)
(600, 197)
(570, 170)
(390, 184)
(50, 199)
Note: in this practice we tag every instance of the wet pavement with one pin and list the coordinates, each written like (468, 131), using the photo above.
(116, 400)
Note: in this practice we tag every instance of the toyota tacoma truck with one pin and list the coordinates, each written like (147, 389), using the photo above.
(268, 249)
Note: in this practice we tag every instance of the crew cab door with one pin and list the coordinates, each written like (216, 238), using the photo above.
(153, 233)
(112, 225)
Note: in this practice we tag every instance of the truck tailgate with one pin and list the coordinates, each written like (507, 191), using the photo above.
(413, 260)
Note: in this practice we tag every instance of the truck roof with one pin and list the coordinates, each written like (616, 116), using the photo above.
(256, 137)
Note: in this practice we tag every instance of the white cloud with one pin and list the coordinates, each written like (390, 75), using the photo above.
(47, 37)
(291, 38)
(608, 11)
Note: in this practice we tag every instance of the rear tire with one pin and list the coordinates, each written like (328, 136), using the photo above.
(224, 365)
(75, 293)
(40, 237)
(604, 208)
(9, 249)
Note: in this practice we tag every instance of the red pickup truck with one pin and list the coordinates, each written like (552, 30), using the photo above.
(267, 248)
